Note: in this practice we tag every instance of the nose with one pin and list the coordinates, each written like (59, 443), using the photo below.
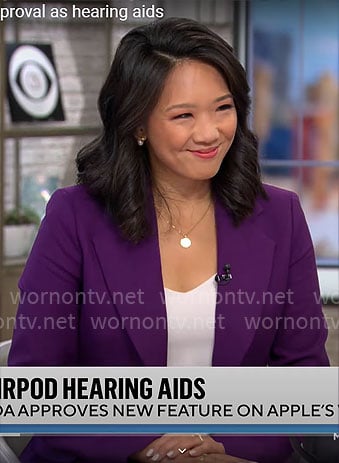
(206, 131)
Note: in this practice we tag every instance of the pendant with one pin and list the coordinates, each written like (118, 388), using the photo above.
(185, 242)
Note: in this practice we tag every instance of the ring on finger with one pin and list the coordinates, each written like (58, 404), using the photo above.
(182, 451)
(199, 436)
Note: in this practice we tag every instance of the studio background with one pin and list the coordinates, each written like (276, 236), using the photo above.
(290, 51)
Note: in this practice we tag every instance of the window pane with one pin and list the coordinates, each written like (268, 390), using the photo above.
(275, 76)
(44, 164)
(295, 69)
(319, 196)
(318, 189)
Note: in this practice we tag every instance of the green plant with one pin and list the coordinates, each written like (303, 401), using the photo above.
(23, 216)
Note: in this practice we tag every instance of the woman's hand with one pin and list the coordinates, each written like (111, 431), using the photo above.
(179, 447)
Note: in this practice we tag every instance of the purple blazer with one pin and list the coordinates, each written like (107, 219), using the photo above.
(78, 249)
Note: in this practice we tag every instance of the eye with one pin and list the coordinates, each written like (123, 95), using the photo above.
(225, 107)
(183, 116)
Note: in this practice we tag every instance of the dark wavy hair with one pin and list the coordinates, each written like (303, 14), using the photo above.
(116, 170)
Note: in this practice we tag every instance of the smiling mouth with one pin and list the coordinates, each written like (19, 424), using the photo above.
(206, 153)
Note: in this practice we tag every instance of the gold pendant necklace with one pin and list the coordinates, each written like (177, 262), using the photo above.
(185, 241)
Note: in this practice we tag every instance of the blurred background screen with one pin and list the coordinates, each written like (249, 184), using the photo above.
(293, 64)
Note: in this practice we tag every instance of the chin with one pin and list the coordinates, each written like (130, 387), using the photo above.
(209, 173)
(204, 175)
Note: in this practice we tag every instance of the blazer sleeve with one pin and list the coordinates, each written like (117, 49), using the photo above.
(300, 339)
(50, 286)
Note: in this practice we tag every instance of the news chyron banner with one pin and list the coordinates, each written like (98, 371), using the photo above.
(286, 400)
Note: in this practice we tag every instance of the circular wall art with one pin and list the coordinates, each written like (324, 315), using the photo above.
(33, 87)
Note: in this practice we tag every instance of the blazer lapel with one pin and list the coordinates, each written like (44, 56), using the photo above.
(249, 252)
(134, 271)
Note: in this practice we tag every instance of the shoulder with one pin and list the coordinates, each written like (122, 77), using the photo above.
(281, 213)
(280, 203)
(279, 195)
(75, 194)
(75, 208)
(76, 199)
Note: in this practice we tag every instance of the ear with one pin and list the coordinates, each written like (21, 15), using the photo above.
(140, 132)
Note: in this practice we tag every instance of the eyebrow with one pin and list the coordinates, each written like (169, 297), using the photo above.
(188, 105)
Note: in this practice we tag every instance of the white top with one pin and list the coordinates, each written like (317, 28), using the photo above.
(191, 323)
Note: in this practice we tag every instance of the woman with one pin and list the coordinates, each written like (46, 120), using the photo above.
(170, 207)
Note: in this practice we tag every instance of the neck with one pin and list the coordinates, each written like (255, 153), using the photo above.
(182, 207)
(182, 194)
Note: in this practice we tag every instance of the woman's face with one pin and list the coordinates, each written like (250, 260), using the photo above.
(192, 127)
